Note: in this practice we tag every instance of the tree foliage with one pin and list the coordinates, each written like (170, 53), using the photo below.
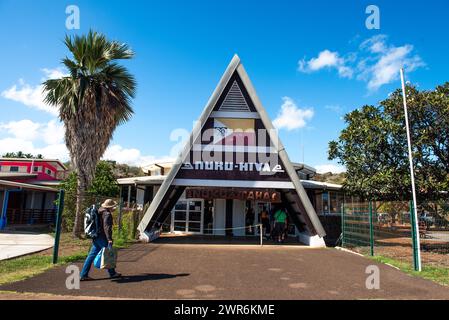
(103, 185)
(373, 146)
(22, 155)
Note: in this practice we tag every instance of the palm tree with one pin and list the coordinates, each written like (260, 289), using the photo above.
(92, 100)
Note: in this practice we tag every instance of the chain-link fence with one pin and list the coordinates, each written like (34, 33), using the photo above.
(386, 229)
(126, 217)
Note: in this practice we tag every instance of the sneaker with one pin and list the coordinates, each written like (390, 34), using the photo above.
(116, 275)
(86, 278)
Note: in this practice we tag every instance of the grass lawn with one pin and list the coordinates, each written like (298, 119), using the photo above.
(434, 273)
(70, 250)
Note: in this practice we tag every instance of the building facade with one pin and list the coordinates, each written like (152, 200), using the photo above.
(28, 190)
(198, 212)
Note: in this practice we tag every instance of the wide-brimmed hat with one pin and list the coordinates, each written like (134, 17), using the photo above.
(109, 203)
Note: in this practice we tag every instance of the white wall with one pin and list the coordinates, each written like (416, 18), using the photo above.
(219, 216)
(238, 217)
(140, 195)
(312, 241)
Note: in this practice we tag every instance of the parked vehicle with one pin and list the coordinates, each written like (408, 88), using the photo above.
(426, 218)
(383, 218)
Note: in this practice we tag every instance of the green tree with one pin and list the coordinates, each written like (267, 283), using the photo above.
(103, 185)
(373, 146)
(20, 154)
(92, 101)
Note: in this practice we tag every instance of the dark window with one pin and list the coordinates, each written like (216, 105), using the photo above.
(228, 219)
(14, 169)
(208, 216)
(325, 202)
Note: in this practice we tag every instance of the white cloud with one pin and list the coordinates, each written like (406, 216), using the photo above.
(23, 129)
(48, 139)
(32, 95)
(335, 108)
(36, 138)
(385, 61)
(325, 168)
(54, 73)
(291, 117)
(131, 156)
(326, 59)
(376, 62)
(53, 132)
(55, 151)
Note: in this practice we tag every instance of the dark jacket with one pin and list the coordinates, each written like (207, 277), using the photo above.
(105, 224)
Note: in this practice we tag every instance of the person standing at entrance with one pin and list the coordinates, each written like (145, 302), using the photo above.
(102, 240)
(265, 219)
(280, 218)
(273, 223)
(250, 220)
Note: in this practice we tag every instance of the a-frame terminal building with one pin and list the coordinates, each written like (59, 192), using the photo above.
(235, 158)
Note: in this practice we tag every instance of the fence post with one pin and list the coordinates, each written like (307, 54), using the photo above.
(371, 229)
(3, 216)
(415, 233)
(261, 235)
(120, 210)
(135, 222)
(58, 225)
(343, 225)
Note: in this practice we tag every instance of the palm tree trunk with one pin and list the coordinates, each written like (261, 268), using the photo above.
(79, 215)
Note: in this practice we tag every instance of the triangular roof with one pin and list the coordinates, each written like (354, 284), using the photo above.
(169, 192)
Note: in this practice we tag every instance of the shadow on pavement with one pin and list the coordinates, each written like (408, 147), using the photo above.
(221, 240)
(148, 277)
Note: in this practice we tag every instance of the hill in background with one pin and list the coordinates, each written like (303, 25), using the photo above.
(336, 178)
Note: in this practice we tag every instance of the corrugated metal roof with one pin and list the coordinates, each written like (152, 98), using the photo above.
(16, 175)
(151, 180)
(26, 186)
(56, 161)
(311, 184)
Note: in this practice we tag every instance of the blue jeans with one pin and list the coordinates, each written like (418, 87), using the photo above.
(97, 244)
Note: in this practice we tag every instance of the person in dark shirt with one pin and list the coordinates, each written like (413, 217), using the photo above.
(265, 219)
(102, 240)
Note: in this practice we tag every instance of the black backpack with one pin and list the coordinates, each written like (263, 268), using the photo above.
(91, 222)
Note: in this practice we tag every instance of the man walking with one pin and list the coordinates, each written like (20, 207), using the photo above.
(280, 217)
(102, 239)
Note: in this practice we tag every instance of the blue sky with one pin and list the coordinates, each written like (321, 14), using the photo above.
(310, 64)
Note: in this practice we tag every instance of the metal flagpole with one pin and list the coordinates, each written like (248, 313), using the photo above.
(417, 248)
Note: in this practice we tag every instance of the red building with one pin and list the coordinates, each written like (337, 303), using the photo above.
(28, 190)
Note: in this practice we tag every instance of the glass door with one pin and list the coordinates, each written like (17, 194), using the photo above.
(187, 216)
(261, 207)
(179, 216)
(194, 218)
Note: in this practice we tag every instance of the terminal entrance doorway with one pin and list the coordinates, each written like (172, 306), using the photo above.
(254, 211)
(187, 217)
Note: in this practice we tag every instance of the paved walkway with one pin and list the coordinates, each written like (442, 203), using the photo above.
(19, 244)
(181, 271)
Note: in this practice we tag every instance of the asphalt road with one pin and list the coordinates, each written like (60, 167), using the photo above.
(180, 271)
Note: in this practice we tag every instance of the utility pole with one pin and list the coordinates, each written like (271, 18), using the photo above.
(415, 226)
